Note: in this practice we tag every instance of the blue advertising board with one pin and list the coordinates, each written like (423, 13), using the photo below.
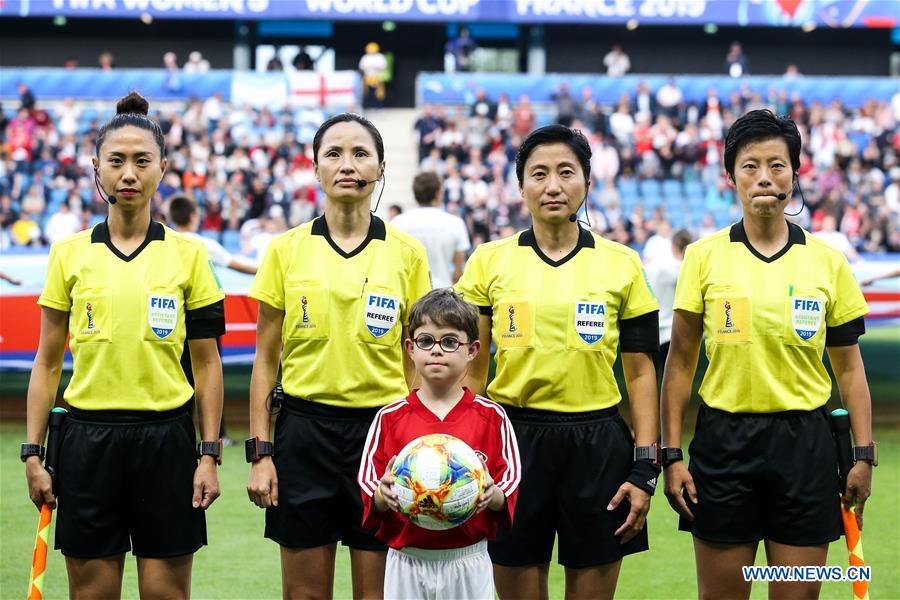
(775, 13)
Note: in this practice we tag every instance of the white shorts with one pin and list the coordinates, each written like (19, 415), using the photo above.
(454, 574)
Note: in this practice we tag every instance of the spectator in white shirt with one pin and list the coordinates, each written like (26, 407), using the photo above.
(185, 218)
(63, 223)
(830, 234)
(444, 235)
(616, 62)
(662, 275)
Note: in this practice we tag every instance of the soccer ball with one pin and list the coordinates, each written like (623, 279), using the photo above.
(438, 479)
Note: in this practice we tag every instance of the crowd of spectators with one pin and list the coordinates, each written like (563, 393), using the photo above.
(251, 171)
(849, 173)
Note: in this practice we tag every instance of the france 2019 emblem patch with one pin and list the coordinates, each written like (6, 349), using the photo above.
(590, 321)
(162, 312)
(381, 313)
(806, 316)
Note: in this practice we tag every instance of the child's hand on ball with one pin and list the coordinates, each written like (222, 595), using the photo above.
(492, 497)
(385, 498)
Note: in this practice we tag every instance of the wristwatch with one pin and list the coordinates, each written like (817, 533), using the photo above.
(647, 453)
(255, 448)
(670, 455)
(866, 453)
(213, 449)
(29, 450)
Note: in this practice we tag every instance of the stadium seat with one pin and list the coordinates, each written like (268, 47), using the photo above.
(672, 189)
(650, 188)
(693, 189)
(231, 239)
(627, 186)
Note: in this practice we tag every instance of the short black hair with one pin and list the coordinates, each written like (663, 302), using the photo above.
(348, 118)
(132, 110)
(445, 308)
(681, 239)
(181, 208)
(555, 134)
(756, 126)
(425, 186)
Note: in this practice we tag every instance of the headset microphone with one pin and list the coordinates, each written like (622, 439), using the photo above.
(361, 183)
(781, 196)
(573, 217)
(110, 199)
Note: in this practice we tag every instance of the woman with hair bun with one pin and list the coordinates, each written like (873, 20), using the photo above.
(127, 293)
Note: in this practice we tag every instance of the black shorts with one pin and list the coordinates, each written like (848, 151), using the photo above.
(572, 466)
(766, 476)
(317, 454)
(126, 481)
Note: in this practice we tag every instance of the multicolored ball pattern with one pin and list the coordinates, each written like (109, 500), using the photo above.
(438, 479)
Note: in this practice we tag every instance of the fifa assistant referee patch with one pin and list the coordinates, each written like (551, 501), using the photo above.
(806, 316)
(590, 321)
(381, 312)
(162, 313)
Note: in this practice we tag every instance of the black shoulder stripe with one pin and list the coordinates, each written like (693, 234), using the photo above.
(640, 334)
(846, 334)
(205, 322)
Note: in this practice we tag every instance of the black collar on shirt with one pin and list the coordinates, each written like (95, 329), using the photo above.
(377, 231)
(795, 236)
(585, 240)
(100, 235)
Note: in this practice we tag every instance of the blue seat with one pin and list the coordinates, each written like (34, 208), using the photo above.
(650, 188)
(694, 189)
(627, 186)
(231, 239)
(671, 188)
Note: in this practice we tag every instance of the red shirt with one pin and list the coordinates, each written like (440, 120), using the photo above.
(477, 421)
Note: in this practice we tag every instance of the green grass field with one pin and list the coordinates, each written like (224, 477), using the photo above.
(240, 563)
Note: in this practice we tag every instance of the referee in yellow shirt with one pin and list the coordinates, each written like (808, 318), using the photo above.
(335, 293)
(558, 302)
(127, 293)
(769, 298)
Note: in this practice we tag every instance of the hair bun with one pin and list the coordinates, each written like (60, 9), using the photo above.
(133, 103)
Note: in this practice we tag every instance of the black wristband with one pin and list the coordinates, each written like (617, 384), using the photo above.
(670, 455)
(643, 475)
(214, 449)
(255, 448)
(28, 450)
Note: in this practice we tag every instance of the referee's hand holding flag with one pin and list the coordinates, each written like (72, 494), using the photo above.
(40, 485)
(859, 488)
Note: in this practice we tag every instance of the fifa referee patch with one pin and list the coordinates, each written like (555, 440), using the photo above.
(590, 320)
(381, 312)
(162, 314)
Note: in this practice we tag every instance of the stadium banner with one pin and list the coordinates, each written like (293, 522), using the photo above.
(460, 88)
(20, 316)
(340, 89)
(766, 13)
(309, 89)
(259, 90)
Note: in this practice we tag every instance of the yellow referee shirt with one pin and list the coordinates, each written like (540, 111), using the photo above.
(556, 323)
(127, 315)
(765, 319)
(344, 313)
